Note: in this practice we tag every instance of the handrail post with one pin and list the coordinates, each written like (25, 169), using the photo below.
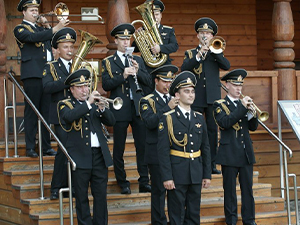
(70, 193)
(280, 154)
(5, 117)
(41, 160)
(287, 189)
(15, 119)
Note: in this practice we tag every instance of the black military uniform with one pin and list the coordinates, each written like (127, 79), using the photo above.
(168, 37)
(208, 82)
(184, 157)
(235, 152)
(34, 44)
(83, 119)
(54, 76)
(151, 109)
(113, 81)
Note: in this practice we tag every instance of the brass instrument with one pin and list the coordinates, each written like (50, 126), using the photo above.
(216, 45)
(117, 103)
(61, 11)
(87, 42)
(146, 38)
(262, 115)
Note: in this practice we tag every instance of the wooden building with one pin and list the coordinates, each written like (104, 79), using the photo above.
(262, 36)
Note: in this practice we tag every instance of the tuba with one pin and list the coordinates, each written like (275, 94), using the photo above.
(87, 42)
(149, 36)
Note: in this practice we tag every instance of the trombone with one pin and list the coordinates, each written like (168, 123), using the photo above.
(61, 11)
(216, 45)
(262, 115)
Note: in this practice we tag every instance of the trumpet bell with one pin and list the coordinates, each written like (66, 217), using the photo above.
(263, 116)
(217, 45)
(117, 103)
(61, 10)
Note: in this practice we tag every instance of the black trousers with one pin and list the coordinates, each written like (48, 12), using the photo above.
(97, 177)
(212, 131)
(158, 195)
(34, 89)
(184, 204)
(230, 200)
(139, 136)
(60, 171)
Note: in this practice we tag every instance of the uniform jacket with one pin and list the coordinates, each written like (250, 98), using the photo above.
(208, 88)
(235, 147)
(113, 81)
(33, 43)
(151, 109)
(184, 170)
(78, 118)
(54, 76)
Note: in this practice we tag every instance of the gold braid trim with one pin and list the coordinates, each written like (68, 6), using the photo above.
(227, 111)
(39, 44)
(152, 104)
(53, 71)
(148, 97)
(108, 68)
(76, 127)
(181, 143)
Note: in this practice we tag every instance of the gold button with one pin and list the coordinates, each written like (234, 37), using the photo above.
(86, 136)
(87, 143)
(191, 135)
(192, 150)
(44, 57)
(240, 120)
(242, 135)
(191, 155)
(127, 95)
(86, 121)
(192, 143)
(242, 142)
(88, 114)
(86, 128)
(204, 85)
(192, 158)
(127, 88)
(204, 78)
(241, 127)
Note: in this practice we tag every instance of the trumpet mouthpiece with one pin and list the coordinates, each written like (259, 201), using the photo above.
(69, 53)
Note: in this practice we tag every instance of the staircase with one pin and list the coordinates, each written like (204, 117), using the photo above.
(20, 192)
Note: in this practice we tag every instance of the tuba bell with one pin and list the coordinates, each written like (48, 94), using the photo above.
(146, 38)
(87, 42)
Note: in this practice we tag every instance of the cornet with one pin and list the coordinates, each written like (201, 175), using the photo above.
(117, 103)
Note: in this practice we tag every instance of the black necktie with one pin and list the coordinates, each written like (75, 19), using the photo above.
(126, 61)
(236, 102)
(69, 66)
(166, 99)
(187, 116)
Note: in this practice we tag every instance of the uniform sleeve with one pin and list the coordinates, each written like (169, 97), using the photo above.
(50, 85)
(172, 46)
(189, 63)
(74, 114)
(107, 117)
(110, 81)
(24, 35)
(205, 153)
(253, 124)
(227, 121)
(222, 61)
(150, 118)
(163, 149)
(143, 75)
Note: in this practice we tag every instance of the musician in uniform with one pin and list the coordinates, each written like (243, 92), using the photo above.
(235, 118)
(54, 76)
(87, 146)
(206, 65)
(167, 34)
(151, 109)
(35, 47)
(183, 153)
(128, 83)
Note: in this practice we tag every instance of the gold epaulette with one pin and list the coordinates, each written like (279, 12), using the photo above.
(50, 62)
(151, 103)
(108, 57)
(169, 112)
(148, 96)
(167, 27)
(190, 53)
(198, 113)
(220, 101)
(108, 66)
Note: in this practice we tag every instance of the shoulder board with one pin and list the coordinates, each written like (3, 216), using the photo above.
(190, 53)
(108, 57)
(220, 101)
(198, 113)
(167, 27)
(148, 96)
(170, 112)
(50, 62)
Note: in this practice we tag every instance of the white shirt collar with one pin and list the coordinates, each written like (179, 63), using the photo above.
(232, 99)
(31, 23)
(184, 111)
(66, 63)
(162, 95)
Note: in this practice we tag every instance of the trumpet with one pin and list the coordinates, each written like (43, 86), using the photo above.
(117, 103)
(262, 115)
(216, 45)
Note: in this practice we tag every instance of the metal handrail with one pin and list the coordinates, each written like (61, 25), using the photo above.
(284, 175)
(71, 162)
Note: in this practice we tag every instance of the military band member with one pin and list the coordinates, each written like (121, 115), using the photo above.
(35, 47)
(167, 34)
(151, 109)
(54, 76)
(235, 118)
(206, 65)
(183, 153)
(119, 78)
(87, 146)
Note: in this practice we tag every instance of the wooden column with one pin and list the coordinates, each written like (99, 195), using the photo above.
(117, 12)
(3, 30)
(283, 53)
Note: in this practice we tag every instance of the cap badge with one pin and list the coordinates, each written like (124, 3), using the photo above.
(169, 74)
(126, 32)
(68, 36)
(34, 2)
(198, 125)
(82, 78)
(240, 78)
(205, 26)
(189, 80)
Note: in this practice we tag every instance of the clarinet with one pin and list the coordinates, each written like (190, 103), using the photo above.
(129, 58)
